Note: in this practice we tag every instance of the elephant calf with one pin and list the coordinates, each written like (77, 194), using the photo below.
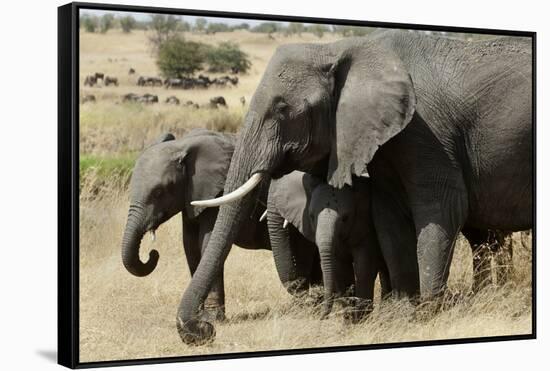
(338, 221)
(166, 177)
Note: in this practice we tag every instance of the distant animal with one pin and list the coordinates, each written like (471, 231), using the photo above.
(215, 102)
(130, 97)
(145, 98)
(148, 99)
(108, 80)
(99, 75)
(189, 103)
(152, 81)
(243, 101)
(131, 71)
(90, 80)
(88, 98)
(173, 83)
(172, 100)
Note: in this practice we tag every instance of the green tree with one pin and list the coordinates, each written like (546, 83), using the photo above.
(242, 26)
(106, 22)
(227, 57)
(347, 31)
(294, 28)
(127, 23)
(179, 58)
(89, 23)
(163, 28)
(217, 27)
(200, 24)
(318, 30)
(267, 27)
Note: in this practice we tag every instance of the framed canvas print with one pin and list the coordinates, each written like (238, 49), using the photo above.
(237, 185)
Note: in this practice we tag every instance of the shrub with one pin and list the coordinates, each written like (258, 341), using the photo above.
(242, 26)
(227, 57)
(178, 58)
(267, 27)
(294, 28)
(200, 24)
(127, 24)
(89, 23)
(217, 27)
(163, 28)
(318, 30)
(106, 22)
(352, 30)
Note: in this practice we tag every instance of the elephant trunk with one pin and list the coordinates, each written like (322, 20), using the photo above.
(325, 237)
(228, 223)
(131, 242)
(283, 254)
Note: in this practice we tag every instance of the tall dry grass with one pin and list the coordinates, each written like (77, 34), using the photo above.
(123, 317)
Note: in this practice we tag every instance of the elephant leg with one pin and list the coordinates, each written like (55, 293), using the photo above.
(385, 282)
(366, 268)
(397, 240)
(438, 223)
(190, 234)
(481, 256)
(285, 254)
(306, 255)
(214, 304)
(504, 258)
(345, 284)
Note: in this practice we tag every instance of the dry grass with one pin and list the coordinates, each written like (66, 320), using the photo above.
(124, 317)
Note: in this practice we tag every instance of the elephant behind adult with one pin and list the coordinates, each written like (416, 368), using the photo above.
(166, 177)
(443, 127)
(339, 222)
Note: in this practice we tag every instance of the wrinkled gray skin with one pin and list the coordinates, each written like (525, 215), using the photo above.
(339, 222)
(166, 177)
(443, 127)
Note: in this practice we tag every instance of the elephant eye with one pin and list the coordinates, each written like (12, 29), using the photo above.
(157, 193)
(281, 108)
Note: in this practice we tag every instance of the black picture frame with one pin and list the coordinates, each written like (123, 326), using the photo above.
(68, 180)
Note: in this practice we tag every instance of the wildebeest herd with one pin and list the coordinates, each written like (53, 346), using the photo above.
(201, 81)
(357, 159)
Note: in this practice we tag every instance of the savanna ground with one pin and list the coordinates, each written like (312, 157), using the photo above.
(124, 317)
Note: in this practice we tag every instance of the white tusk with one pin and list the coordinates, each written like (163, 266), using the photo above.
(233, 196)
(285, 223)
(153, 236)
(365, 174)
(264, 215)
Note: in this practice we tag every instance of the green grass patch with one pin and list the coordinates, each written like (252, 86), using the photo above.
(105, 167)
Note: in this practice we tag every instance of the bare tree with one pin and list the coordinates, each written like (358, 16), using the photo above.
(162, 27)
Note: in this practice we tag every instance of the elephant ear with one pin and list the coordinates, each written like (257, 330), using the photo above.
(375, 101)
(291, 195)
(166, 137)
(206, 161)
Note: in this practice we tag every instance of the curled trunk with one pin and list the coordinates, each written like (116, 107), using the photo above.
(131, 242)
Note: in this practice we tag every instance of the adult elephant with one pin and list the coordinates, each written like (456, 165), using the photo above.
(339, 222)
(443, 127)
(166, 177)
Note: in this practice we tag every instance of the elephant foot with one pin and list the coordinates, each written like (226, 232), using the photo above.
(195, 332)
(214, 314)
